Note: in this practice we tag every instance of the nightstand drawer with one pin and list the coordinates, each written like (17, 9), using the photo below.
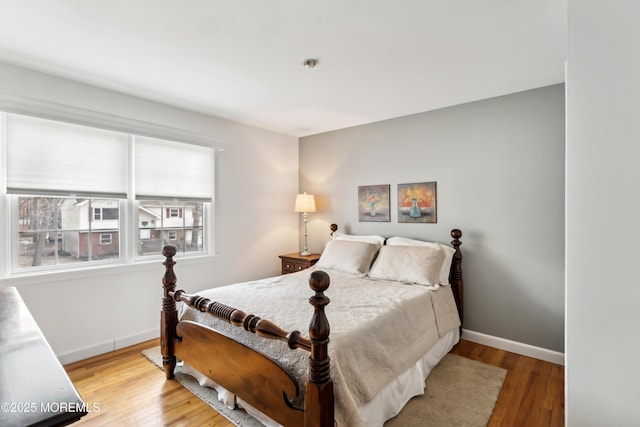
(292, 267)
(294, 262)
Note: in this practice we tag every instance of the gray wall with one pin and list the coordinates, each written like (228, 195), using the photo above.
(603, 207)
(499, 168)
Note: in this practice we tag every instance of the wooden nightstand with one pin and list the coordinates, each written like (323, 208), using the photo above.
(296, 262)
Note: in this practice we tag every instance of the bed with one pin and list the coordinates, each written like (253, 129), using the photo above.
(396, 310)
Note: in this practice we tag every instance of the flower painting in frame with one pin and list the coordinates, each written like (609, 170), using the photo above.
(374, 203)
(417, 202)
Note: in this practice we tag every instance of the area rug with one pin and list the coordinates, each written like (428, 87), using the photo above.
(460, 392)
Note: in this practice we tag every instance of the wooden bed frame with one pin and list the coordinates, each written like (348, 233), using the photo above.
(249, 374)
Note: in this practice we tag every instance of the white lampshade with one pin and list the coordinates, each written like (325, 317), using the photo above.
(305, 203)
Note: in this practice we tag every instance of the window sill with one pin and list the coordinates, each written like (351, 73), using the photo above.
(147, 264)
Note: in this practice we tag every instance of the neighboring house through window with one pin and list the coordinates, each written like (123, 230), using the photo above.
(181, 225)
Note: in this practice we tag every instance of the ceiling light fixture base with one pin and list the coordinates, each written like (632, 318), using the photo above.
(310, 63)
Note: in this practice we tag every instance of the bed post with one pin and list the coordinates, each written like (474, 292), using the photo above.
(169, 315)
(455, 274)
(318, 404)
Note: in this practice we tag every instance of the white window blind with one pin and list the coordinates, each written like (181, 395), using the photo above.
(165, 169)
(49, 157)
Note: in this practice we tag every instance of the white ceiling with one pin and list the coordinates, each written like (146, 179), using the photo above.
(242, 59)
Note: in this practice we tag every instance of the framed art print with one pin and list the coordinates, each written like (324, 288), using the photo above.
(374, 203)
(417, 202)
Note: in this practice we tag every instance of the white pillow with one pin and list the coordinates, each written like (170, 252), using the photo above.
(377, 240)
(348, 257)
(448, 250)
(413, 264)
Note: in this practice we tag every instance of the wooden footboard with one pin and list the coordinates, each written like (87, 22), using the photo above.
(221, 358)
(249, 374)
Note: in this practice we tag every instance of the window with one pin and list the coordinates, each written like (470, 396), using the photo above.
(174, 213)
(185, 231)
(56, 231)
(106, 239)
(67, 207)
(100, 214)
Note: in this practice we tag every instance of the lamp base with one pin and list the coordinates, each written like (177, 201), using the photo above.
(305, 253)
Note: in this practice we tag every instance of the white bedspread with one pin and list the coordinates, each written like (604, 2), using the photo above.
(379, 329)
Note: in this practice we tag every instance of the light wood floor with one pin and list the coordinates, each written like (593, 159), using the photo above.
(533, 392)
(127, 390)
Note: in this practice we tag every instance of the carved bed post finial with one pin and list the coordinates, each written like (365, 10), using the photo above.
(169, 315)
(455, 274)
(334, 228)
(319, 398)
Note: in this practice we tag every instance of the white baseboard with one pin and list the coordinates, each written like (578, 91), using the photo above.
(514, 347)
(85, 352)
(135, 339)
(107, 346)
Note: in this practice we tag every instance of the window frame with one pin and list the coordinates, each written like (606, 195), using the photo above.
(128, 230)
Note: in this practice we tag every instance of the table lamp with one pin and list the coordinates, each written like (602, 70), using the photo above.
(305, 203)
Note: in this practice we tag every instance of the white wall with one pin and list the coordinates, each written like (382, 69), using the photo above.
(603, 207)
(86, 313)
(499, 168)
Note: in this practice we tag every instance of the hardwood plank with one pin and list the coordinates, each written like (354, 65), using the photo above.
(131, 391)
(533, 392)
